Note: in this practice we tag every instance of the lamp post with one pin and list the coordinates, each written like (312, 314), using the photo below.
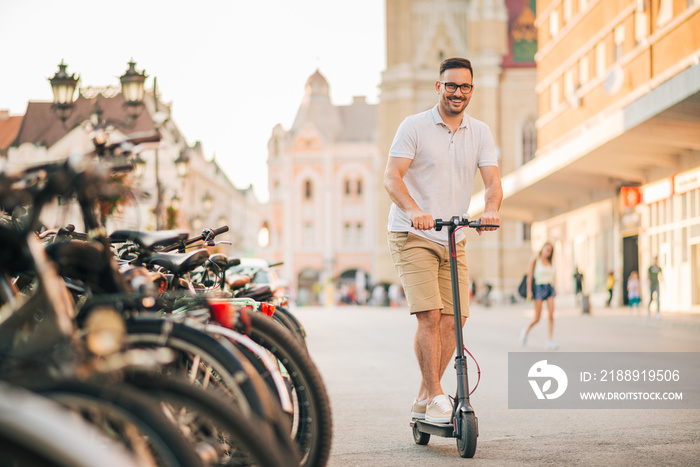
(63, 86)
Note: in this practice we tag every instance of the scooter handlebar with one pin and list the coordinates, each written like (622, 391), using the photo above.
(463, 221)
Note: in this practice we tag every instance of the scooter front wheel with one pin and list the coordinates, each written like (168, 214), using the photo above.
(466, 443)
(419, 437)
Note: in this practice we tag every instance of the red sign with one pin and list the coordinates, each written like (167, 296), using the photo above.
(630, 197)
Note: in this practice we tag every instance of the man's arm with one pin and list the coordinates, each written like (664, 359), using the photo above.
(396, 168)
(493, 195)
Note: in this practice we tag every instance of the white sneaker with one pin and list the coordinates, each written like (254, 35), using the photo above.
(551, 346)
(439, 410)
(418, 409)
(523, 336)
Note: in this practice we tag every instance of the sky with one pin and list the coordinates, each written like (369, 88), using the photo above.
(232, 69)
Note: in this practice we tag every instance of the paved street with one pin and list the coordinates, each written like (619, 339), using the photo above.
(367, 360)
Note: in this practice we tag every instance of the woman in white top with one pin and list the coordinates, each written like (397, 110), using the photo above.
(542, 270)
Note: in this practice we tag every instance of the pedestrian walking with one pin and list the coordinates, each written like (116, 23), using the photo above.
(654, 287)
(633, 291)
(430, 174)
(542, 269)
(578, 282)
(611, 287)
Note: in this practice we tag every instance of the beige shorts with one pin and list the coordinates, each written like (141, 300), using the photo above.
(424, 270)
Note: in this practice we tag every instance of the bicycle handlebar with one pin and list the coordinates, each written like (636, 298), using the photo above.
(206, 236)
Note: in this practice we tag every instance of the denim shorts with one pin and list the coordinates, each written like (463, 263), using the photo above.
(543, 291)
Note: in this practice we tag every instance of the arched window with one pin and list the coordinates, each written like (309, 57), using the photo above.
(308, 190)
(529, 145)
(359, 188)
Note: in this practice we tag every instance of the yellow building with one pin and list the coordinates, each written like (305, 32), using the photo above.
(616, 179)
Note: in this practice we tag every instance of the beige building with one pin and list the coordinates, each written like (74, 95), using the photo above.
(203, 198)
(616, 179)
(499, 38)
(322, 211)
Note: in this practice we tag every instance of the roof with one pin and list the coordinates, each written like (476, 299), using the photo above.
(42, 126)
(9, 127)
(358, 121)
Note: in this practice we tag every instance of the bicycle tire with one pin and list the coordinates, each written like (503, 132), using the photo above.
(246, 387)
(121, 403)
(290, 322)
(214, 422)
(313, 425)
(37, 431)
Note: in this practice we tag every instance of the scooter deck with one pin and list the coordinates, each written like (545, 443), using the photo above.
(445, 430)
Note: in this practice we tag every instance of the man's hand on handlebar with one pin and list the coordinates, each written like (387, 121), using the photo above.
(489, 218)
(422, 221)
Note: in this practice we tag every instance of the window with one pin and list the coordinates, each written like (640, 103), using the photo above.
(308, 190)
(527, 231)
(568, 10)
(529, 143)
(359, 188)
(600, 59)
(640, 22)
(347, 187)
(569, 84)
(554, 23)
(554, 95)
(360, 234)
(665, 12)
(347, 234)
(583, 71)
(619, 42)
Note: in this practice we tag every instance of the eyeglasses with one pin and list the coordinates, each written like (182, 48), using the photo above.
(452, 87)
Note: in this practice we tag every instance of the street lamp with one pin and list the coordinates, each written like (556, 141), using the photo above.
(207, 201)
(63, 86)
(182, 163)
(133, 88)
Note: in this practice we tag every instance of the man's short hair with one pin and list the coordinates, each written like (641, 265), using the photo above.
(456, 63)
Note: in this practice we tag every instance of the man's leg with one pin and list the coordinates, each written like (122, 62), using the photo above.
(448, 340)
(429, 352)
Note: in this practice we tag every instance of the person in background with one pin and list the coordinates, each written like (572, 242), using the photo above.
(578, 279)
(634, 290)
(654, 289)
(542, 269)
(611, 286)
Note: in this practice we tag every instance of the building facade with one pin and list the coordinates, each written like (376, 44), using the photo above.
(160, 198)
(322, 210)
(499, 38)
(614, 183)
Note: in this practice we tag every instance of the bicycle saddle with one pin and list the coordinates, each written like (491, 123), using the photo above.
(180, 263)
(149, 240)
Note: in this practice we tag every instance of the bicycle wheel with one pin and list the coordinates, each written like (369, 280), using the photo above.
(207, 362)
(291, 322)
(36, 431)
(214, 426)
(312, 424)
(124, 414)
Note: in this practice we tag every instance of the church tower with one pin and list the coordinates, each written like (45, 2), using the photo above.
(420, 34)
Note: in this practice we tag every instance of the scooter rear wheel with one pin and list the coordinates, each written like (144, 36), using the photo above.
(419, 437)
(466, 443)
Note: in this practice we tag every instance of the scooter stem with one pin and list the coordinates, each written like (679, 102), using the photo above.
(462, 396)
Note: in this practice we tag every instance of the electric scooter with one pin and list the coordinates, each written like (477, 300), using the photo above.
(464, 424)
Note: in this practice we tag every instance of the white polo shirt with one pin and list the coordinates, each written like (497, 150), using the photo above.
(441, 177)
